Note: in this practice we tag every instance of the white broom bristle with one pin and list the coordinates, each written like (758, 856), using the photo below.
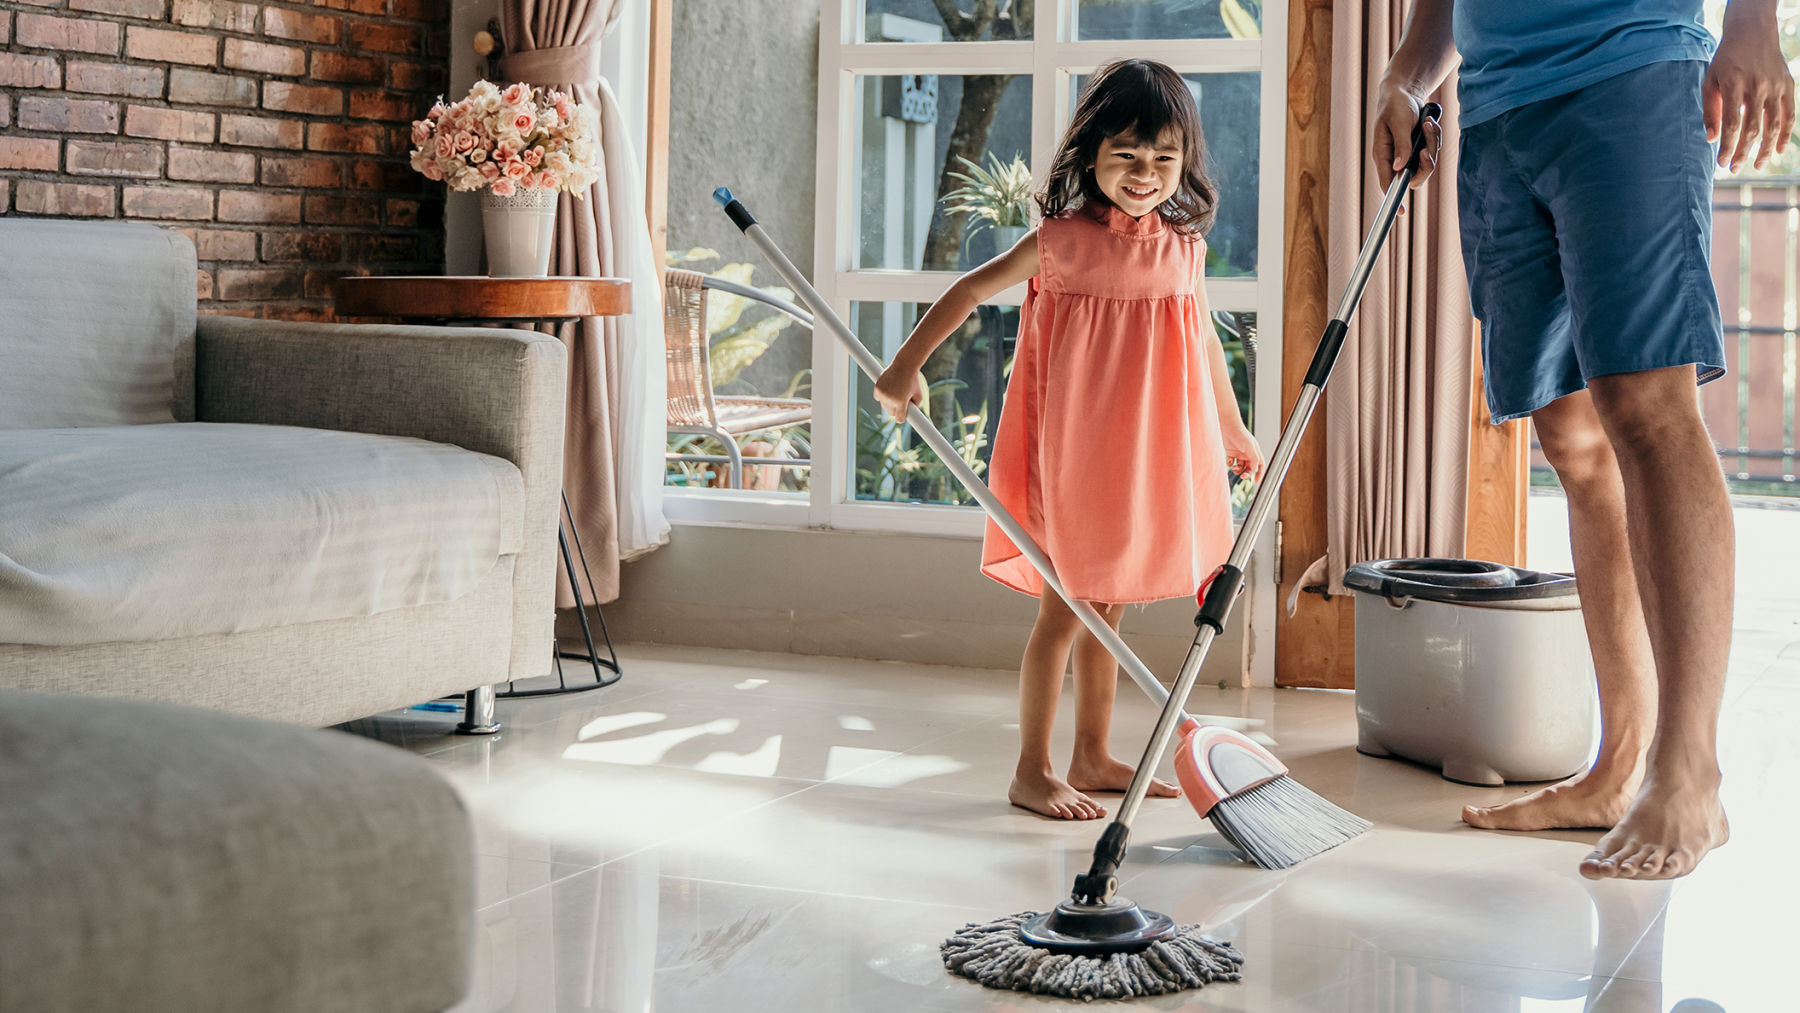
(1280, 823)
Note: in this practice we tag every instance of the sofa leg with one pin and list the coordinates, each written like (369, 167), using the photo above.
(478, 713)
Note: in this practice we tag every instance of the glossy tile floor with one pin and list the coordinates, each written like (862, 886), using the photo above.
(732, 831)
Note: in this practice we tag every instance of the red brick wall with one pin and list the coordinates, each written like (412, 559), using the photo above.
(274, 134)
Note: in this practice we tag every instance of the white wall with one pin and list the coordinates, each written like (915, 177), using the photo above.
(915, 598)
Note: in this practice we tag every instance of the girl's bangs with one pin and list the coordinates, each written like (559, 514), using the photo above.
(1140, 113)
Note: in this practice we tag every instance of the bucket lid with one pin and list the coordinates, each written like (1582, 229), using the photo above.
(1472, 581)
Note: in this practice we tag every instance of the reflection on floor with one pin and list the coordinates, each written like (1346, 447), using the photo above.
(732, 831)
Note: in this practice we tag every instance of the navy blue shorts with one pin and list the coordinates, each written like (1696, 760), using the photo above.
(1587, 236)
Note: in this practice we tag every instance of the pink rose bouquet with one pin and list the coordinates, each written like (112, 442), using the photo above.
(509, 139)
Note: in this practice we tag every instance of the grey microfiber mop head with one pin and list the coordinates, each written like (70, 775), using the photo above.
(994, 955)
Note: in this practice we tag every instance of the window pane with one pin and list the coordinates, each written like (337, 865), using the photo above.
(1168, 19)
(968, 375)
(920, 21)
(904, 155)
(1231, 116)
(754, 353)
(1237, 332)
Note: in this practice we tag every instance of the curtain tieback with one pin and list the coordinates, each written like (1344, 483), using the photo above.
(1313, 577)
(553, 65)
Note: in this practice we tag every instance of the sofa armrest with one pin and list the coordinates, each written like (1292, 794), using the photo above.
(490, 390)
(476, 387)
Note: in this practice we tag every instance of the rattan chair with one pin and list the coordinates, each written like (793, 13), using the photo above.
(693, 407)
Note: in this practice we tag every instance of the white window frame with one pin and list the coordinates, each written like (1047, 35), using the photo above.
(1051, 57)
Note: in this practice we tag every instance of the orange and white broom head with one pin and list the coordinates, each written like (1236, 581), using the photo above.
(1253, 803)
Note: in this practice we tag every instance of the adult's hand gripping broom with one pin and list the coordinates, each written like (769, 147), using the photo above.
(1227, 777)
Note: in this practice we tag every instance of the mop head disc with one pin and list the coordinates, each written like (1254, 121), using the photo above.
(994, 955)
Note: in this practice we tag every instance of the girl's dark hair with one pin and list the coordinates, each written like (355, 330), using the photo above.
(1140, 99)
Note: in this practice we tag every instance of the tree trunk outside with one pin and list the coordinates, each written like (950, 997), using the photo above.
(968, 139)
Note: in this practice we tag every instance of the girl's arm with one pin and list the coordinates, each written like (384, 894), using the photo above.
(900, 384)
(1242, 455)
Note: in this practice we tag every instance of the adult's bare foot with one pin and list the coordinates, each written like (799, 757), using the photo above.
(1668, 829)
(1589, 799)
(1049, 795)
(1111, 774)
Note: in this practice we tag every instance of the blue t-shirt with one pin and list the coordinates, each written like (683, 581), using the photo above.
(1515, 52)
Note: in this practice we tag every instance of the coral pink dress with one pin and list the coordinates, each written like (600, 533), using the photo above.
(1108, 450)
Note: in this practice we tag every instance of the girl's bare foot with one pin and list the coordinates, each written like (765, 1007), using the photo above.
(1594, 798)
(1110, 774)
(1049, 795)
(1664, 834)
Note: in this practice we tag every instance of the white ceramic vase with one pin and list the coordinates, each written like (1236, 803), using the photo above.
(518, 230)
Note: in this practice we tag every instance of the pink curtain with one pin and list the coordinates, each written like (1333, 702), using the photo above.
(1397, 409)
(612, 468)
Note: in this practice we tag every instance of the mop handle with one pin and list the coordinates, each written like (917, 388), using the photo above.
(922, 424)
(1229, 581)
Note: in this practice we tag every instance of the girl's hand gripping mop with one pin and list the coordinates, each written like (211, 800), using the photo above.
(1095, 944)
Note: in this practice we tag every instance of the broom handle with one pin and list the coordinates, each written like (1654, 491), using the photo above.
(922, 424)
(1225, 585)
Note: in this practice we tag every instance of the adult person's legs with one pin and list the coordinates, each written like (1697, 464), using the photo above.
(1650, 526)
(1586, 229)
(1576, 445)
(1678, 516)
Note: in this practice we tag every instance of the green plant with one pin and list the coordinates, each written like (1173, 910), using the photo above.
(1241, 494)
(999, 194)
(1242, 19)
(801, 381)
(1218, 260)
(888, 468)
(676, 258)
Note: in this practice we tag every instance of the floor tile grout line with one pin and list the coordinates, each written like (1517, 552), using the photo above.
(870, 898)
(554, 879)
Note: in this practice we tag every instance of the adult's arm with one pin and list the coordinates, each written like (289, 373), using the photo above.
(1749, 91)
(1425, 58)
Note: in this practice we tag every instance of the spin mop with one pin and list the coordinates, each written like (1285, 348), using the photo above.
(1096, 944)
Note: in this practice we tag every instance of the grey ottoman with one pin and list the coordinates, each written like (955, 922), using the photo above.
(155, 857)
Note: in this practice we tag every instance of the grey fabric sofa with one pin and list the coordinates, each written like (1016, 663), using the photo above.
(298, 521)
(163, 859)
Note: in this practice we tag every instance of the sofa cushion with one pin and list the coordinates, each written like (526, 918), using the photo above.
(96, 324)
(124, 533)
(160, 858)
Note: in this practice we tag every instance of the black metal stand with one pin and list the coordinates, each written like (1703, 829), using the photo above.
(564, 534)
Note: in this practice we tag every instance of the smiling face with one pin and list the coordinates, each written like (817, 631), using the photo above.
(1137, 175)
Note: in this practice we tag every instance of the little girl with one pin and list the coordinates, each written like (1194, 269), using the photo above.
(1119, 422)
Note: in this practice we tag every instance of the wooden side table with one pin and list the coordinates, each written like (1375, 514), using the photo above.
(479, 299)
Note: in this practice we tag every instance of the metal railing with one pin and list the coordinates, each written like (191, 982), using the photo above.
(1756, 269)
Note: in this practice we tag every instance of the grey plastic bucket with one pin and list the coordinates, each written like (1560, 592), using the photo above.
(1479, 669)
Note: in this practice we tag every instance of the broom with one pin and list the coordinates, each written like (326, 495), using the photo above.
(1096, 944)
